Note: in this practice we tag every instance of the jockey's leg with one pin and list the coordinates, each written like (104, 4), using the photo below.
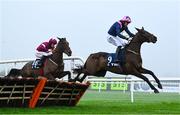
(42, 57)
(38, 57)
(121, 43)
(41, 61)
(118, 53)
(112, 40)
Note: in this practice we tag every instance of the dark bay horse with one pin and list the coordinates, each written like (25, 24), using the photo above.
(54, 65)
(96, 64)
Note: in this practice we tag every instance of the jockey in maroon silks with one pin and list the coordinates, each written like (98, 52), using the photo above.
(43, 51)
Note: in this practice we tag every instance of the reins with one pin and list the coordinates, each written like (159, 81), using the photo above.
(50, 59)
(133, 52)
(131, 42)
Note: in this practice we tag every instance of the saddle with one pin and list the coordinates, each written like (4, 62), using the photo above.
(37, 66)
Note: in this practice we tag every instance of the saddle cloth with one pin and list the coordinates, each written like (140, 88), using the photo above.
(112, 59)
(35, 64)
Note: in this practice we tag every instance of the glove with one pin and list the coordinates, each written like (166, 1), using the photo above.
(126, 38)
(129, 40)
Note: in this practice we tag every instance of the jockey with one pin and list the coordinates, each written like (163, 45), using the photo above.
(44, 50)
(114, 34)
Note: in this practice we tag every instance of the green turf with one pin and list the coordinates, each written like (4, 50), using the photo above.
(114, 102)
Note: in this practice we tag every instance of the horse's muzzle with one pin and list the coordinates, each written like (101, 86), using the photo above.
(69, 53)
(155, 39)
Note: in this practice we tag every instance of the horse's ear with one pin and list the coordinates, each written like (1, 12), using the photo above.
(59, 38)
(142, 28)
(137, 29)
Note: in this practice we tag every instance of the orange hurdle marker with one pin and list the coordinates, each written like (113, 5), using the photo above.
(37, 92)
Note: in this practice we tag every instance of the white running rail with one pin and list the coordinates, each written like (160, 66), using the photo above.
(169, 84)
(20, 61)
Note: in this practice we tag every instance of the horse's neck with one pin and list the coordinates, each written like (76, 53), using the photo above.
(57, 57)
(135, 44)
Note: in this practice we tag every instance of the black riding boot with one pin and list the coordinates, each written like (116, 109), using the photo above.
(118, 53)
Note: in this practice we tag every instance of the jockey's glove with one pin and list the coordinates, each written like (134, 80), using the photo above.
(126, 38)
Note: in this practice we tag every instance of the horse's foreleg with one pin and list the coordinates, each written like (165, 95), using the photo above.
(146, 71)
(139, 75)
(82, 79)
(64, 73)
(69, 74)
(77, 77)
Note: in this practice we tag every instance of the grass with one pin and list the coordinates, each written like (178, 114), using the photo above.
(113, 102)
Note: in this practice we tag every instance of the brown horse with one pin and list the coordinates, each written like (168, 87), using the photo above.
(54, 65)
(96, 64)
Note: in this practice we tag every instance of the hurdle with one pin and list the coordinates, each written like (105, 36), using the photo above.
(33, 92)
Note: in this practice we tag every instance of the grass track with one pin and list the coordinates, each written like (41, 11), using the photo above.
(114, 102)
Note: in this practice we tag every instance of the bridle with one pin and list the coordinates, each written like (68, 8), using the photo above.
(53, 62)
(131, 51)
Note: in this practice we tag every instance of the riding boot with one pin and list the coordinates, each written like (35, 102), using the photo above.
(118, 53)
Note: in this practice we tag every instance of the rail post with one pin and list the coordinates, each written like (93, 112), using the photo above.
(132, 91)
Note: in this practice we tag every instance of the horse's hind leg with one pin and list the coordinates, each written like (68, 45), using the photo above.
(139, 75)
(14, 73)
(146, 71)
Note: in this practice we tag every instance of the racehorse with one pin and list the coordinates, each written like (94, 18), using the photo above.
(53, 66)
(96, 63)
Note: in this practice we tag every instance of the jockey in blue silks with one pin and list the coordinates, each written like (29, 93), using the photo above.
(114, 34)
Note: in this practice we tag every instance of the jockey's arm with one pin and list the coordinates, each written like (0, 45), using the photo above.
(121, 36)
(42, 48)
(128, 32)
(118, 32)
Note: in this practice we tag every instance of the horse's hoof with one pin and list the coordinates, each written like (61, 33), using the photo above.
(159, 86)
(57, 79)
(19, 77)
(156, 91)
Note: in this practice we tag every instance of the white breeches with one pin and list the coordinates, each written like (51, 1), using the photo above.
(40, 54)
(117, 41)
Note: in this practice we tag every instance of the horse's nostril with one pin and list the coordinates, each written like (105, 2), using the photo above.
(155, 38)
(70, 52)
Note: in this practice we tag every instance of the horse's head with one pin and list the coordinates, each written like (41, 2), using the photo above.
(146, 36)
(63, 45)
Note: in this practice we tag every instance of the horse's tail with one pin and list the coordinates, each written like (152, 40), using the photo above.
(14, 73)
